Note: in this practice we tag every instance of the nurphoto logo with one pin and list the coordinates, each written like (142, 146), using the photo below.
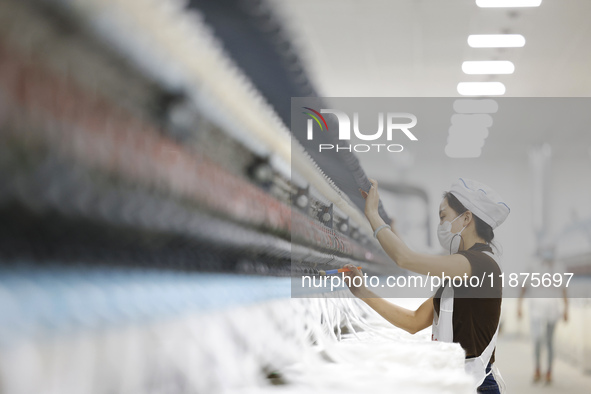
(396, 122)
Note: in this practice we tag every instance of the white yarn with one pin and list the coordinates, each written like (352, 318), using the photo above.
(382, 359)
(233, 350)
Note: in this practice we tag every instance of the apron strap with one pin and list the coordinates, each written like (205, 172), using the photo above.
(442, 329)
(487, 353)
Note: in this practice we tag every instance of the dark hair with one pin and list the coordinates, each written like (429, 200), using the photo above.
(483, 230)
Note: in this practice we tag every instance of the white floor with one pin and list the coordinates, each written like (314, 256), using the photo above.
(514, 358)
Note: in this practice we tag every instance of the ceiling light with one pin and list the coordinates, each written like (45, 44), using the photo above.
(476, 106)
(481, 88)
(508, 3)
(496, 40)
(488, 67)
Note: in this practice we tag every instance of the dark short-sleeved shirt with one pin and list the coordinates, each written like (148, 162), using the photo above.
(476, 310)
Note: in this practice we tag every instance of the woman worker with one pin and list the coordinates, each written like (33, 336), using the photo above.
(470, 316)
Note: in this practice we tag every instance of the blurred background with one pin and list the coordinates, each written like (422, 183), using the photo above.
(156, 205)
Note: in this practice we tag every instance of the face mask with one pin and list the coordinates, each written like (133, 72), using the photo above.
(447, 239)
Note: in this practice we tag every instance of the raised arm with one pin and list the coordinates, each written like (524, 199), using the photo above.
(422, 263)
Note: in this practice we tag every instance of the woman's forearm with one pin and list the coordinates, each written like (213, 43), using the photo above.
(422, 263)
(391, 243)
(394, 314)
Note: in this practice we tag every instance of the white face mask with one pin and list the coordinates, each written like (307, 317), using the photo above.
(448, 240)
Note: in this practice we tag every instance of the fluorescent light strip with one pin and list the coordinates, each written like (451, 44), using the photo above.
(488, 67)
(508, 3)
(496, 40)
(481, 88)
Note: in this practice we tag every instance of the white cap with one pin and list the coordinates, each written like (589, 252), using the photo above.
(481, 200)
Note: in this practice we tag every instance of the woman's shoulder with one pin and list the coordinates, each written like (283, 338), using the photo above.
(481, 247)
(482, 260)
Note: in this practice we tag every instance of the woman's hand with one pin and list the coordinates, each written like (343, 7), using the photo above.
(359, 291)
(372, 199)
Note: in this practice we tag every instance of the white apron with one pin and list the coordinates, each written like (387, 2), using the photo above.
(443, 331)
